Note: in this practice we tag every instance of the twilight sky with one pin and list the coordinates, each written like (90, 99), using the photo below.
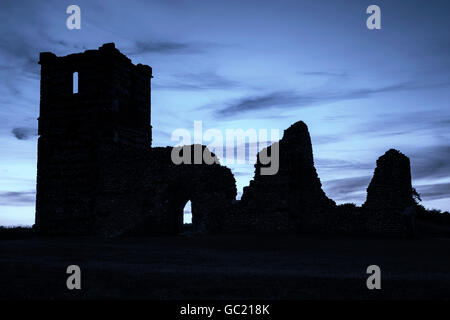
(251, 64)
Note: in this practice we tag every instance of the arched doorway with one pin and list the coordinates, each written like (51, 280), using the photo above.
(178, 198)
(210, 189)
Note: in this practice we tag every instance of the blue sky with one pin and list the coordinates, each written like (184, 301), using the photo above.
(251, 64)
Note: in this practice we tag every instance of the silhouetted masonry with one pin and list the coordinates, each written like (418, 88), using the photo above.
(293, 198)
(98, 174)
(389, 192)
(388, 195)
(390, 188)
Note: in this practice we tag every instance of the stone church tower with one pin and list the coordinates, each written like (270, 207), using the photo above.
(94, 108)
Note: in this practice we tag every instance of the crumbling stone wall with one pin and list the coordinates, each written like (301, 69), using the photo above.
(147, 192)
(292, 199)
(389, 193)
(390, 188)
(211, 188)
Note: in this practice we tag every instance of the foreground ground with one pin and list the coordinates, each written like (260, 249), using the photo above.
(225, 267)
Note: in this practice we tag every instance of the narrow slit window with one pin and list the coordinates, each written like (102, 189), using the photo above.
(75, 82)
(187, 213)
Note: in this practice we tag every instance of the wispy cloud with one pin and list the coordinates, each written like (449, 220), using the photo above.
(347, 189)
(162, 47)
(267, 101)
(293, 99)
(338, 164)
(431, 162)
(392, 124)
(23, 133)
(196, 81)
(15, 198)
(24, 54)
(324, 139)
(434, 191)
(328, 74)
(169, 47)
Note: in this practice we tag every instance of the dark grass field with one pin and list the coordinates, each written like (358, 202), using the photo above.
(225, 267)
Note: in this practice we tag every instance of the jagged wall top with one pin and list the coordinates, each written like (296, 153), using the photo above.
(107, 50)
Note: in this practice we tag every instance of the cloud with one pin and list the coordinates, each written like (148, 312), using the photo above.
(15, 198)
(347, 189)
(324, 139)
(404, 123)
(169, 47)
(327, 74)
(196, 81)
(161, 47)
(430, 162)
(161, 133)
(23, 133)
(292, 99)
(24, 55)
(20, 48)
(434, 191)
(340, 165)
(267, 101)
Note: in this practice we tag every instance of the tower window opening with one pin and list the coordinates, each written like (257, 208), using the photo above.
(75, 82)
(187, 213)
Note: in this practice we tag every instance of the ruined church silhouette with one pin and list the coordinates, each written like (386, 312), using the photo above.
(97, 173)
